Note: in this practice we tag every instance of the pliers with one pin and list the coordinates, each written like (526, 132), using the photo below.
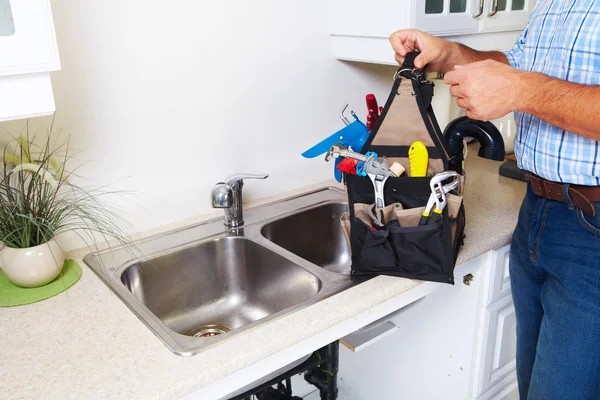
(438, 197)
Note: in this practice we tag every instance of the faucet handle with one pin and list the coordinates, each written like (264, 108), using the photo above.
(233, 179)
(225, 194)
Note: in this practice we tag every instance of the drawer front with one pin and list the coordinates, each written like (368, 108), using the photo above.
(499, 277)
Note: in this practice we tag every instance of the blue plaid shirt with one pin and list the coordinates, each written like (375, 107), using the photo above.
(562, 40)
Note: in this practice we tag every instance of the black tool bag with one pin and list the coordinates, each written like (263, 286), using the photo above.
(405, 249)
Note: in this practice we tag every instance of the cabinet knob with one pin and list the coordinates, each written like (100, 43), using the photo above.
(467, 279)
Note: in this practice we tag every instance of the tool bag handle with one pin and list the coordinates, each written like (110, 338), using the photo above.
(399, 125)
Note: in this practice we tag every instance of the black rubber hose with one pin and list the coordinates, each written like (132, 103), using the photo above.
(489, 137)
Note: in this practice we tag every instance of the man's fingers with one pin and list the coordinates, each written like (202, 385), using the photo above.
(461, 102)
(399, 58)
(472, 115)
(422, 60)
(402, 42)
(451, 78)
(455, 91)
(457, 76)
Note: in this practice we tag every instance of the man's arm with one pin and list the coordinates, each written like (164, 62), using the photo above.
(490, 90)
(438, 54)
(570, 106)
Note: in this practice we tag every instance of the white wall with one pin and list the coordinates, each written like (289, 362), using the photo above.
(167, 98)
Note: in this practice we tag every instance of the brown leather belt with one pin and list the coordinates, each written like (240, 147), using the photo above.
(582, 196)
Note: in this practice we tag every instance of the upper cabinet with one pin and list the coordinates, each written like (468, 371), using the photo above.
(445, 17)
(27, 38)
(503, 15)
(360, 28)
(28, 52)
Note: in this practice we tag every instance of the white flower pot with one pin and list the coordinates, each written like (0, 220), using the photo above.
(33, 266)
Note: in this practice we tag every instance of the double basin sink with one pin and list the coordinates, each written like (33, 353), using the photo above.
(196, 286)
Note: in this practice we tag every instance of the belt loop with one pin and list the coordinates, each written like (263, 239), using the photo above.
(568, 199)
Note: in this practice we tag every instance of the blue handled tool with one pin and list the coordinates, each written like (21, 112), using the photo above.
(354, 136)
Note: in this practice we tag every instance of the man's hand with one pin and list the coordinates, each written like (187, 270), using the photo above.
(437, 54)
(434, 51)
(486, 89)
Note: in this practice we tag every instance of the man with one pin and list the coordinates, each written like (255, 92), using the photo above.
(549, 80)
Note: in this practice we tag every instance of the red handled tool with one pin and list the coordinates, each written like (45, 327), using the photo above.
(348, 165)
(372, 111)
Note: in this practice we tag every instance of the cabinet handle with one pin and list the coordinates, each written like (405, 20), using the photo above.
(494, 9)
(480, 9)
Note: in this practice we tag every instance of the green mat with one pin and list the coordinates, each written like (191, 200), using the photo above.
(13, 295)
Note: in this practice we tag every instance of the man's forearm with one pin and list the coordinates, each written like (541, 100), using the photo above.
(567, 105)
(469, 55)
(461, 55)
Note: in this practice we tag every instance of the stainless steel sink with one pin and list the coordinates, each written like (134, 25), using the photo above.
(196, 286)
(220, 285)
(315, 235)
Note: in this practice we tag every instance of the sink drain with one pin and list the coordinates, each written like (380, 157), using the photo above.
(208, 331)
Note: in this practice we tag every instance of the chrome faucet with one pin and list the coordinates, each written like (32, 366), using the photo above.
(228, 195)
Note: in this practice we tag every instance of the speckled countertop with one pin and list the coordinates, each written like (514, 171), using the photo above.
(86, 344)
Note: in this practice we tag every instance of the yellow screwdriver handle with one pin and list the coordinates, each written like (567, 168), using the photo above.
(419, 158)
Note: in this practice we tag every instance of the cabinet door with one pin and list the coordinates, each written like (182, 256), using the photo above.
(27, 39)
(511, 393)
(498, 284)
(496, 353)
(429, 355)
(506, 15)
(446, 17)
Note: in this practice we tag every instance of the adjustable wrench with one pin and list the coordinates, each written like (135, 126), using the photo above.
(378, 172)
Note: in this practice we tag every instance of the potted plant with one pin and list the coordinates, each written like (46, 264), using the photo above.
(38, 202)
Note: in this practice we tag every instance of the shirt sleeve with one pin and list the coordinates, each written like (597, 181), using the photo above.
(514, 55)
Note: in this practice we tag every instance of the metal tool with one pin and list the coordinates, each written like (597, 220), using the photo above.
(438, 197)
(376, 216)
(360, 167)
(339, 150)
(344, 118)
(377, 171)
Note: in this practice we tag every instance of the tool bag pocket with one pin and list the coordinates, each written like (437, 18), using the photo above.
(403, 247)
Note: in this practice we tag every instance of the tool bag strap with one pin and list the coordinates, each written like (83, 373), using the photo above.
(408, 117)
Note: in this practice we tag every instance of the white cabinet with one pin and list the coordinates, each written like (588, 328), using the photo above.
(29, 52)
(28, 44)
(495, 350)
(458, 343)
(502, 15)
(360, 28)
(445, 17)
(429, 356)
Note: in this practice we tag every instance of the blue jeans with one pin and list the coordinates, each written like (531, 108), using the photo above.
(555, 279)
